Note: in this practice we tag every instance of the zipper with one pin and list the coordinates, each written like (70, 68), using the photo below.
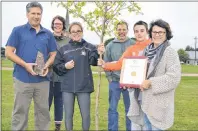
(74, 75)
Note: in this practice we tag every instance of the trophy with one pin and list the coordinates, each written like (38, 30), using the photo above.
(38, 69)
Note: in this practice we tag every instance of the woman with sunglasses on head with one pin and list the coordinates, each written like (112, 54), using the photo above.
(73, 62)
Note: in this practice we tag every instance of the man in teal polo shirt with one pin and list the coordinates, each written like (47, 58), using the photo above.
(22, 47)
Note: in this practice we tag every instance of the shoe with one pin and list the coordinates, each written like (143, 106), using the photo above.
(57, 127)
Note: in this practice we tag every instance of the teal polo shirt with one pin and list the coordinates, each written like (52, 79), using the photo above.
(27, 43)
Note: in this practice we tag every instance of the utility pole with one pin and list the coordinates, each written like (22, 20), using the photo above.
(195, 50)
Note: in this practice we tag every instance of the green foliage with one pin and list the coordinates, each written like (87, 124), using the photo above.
(103, 16)
(183, 56)
(189, 48)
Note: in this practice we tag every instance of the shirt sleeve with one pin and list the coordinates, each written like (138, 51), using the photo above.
(107, 58)
(59, 64)
(93, 55)
(113, 66)
(13, 39)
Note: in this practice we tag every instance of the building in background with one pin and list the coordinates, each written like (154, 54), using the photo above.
(192, 60)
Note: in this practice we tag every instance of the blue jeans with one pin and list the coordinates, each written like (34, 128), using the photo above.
(114, 97)
(55, 92)
(149, 126)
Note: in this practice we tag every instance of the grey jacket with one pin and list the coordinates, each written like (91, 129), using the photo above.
(158, 100)
(61, 41)
(114, 51)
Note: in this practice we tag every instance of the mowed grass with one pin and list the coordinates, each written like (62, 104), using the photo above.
(185, 68)
(186, 102)
(6, 63)
(186, 105)
(190, 69)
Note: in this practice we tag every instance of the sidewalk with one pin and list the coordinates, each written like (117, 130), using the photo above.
(94, 72)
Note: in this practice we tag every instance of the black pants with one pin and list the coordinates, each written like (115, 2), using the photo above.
(55, 92)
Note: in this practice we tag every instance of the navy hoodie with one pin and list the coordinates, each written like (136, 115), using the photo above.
(79, 78)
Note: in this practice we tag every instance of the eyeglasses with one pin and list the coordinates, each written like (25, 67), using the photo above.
(76, 32)
(58, 24)
(160, 33)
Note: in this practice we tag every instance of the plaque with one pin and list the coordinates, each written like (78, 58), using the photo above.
(133, 71)
(38, 69)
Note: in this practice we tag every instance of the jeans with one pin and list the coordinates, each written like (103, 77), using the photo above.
(55, 92)
(114, 97)
(84, 105)
(149, 126)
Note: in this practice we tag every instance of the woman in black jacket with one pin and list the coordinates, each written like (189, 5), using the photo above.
(73, 62)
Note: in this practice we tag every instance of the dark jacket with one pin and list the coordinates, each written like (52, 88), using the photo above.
(79, 78)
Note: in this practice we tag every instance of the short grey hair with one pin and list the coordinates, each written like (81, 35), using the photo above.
(33, 4)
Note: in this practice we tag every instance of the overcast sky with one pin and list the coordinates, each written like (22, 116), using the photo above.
(182, 17)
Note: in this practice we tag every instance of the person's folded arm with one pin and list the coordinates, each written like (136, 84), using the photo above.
(59, 64)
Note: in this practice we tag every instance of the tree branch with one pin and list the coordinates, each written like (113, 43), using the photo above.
(111, 6)
(82, 17)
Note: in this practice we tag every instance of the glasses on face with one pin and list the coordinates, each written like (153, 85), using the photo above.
(58, 24)
(160, 33)
(76, 32)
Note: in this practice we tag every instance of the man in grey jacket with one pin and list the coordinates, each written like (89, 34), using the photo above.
(114, 51)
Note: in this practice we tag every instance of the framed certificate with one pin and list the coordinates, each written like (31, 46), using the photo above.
(133, 71)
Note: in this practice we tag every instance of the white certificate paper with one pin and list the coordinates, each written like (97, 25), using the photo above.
(133, 71)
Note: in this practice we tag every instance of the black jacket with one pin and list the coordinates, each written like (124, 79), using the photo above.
(79, 78)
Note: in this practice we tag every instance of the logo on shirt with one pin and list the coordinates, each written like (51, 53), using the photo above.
(83, 53)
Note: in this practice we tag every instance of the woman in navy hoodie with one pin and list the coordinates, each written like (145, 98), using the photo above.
(73, 62)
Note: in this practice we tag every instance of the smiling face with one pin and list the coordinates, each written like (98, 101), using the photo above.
(140, 32)
(76, 33)
(122, 32)
(158, 35)
(34, 16)
(58, 26)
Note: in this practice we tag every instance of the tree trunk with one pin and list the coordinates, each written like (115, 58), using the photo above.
(99, 73)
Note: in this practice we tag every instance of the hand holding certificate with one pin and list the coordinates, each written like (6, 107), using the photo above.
(133, 71)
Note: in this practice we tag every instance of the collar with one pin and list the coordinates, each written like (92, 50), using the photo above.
(145, 42)
(116, 40)
(76, 42)
(30, 27)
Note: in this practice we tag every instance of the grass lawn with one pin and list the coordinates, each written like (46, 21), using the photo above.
(95, 68)
(186, 113)
(6, 63)
(189, 68)
(185, 68)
